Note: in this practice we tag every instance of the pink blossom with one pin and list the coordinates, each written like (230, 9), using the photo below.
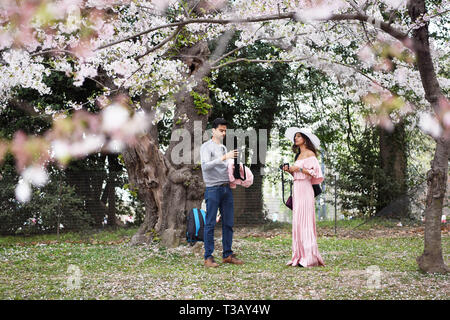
(91, 143)
(106, 32)
(211, 5)
(395, 4)
(161, 5)
(6, 39)
(315, 13)
(85, 71)
(61, 151)
(367, 55)
(84, 49)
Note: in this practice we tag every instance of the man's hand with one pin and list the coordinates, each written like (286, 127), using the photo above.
(230, 155)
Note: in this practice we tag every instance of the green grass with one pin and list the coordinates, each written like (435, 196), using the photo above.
(99, 236)
(365, 224)
(38, 268)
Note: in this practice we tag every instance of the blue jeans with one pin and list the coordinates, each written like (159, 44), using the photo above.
(219, 197)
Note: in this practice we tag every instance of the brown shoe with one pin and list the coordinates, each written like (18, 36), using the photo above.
(232, 259)
(211, 263)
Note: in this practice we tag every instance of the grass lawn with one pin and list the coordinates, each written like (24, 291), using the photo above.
(43, 267)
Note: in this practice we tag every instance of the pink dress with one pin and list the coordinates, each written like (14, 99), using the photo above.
(304, 238)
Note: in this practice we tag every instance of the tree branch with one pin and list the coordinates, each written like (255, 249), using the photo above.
(227, 54)
(397, 34)
(161, 44)
(290, 15)
(256, 61)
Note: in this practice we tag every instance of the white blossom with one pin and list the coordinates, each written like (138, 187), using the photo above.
(23, 191)
(114, 117)
(35, 175)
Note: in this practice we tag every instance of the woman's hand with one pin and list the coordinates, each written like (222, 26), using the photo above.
(293, 169)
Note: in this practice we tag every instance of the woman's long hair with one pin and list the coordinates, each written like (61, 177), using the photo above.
(309, 145)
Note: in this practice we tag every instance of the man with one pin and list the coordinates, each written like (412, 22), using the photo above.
(214, 162)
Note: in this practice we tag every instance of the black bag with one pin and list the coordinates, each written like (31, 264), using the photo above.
(237, 167)
(288, 203)
(195, 225)
(317, 189)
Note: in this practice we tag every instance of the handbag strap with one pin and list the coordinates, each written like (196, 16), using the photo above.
(282, 185)
(237, 171)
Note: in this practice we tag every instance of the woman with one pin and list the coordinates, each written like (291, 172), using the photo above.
(306, 172)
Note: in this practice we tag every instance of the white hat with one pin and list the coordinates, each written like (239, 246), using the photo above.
(290, 134)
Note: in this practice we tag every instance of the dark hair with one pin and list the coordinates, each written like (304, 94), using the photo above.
(219, 121)
(309, 145)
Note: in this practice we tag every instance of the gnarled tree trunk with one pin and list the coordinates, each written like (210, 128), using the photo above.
(184, 188)
(147, 173)
(169, 189)
(431, 260)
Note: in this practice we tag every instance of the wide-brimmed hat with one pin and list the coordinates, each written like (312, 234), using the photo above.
(290, 134)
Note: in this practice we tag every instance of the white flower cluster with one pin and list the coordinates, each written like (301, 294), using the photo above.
(343, 51)
(20, 70)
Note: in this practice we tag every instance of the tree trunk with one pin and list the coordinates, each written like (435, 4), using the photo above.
(147, 174)
(393, 201)
(169, 189)
(110, 189)
(431, 260)
(184, 182)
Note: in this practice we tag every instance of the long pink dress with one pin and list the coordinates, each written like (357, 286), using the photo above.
(304, 238)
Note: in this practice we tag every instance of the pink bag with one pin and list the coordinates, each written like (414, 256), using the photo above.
(233, 182)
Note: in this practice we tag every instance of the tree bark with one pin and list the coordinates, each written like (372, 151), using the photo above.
(170, 189)
(431, 260)
(147, 174)
(393, 201)
(110, 189)
(184, 182)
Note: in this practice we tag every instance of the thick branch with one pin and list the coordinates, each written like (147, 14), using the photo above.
(256, 61)
(290, 15)
(397, 34)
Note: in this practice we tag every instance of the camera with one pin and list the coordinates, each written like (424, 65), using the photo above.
(284, 164)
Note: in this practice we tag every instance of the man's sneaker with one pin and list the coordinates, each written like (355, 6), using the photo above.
(211, 263)
(232, 259)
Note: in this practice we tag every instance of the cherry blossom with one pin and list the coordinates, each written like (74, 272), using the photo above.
(128, 42)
